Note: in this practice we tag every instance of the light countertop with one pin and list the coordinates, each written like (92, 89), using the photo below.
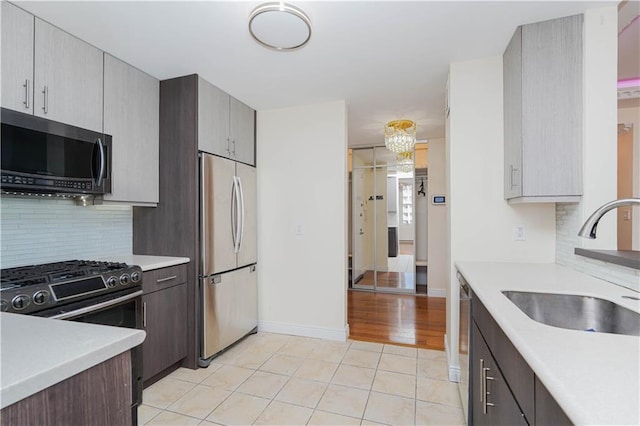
(594, 377)
(148, 263)
(39, 352)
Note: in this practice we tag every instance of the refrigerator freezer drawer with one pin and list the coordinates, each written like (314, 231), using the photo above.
(230, 308)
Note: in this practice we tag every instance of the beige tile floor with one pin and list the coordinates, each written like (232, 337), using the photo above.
(275, 379)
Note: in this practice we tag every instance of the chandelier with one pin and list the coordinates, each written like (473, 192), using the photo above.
(400, 136)
(404, 162)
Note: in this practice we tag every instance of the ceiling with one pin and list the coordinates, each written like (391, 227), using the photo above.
(388, 60)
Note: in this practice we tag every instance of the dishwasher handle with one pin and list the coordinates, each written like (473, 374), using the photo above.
(465, 291)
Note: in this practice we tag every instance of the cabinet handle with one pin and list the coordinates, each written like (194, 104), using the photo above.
(172, 277)
(233, 141)
(45, 103)
(228, 147)
(26, 93)
(144, 314)
(513, 172)
(486, 392)
(482, 383)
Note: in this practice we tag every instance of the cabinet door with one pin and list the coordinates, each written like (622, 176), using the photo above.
(512, 72)
(552, 107)
(17, 59)
(248, 253)
(68, 78)
(242, 134)
(165, 321)
(213, 119)
(492, 401)
(548, 412)
(131, 111)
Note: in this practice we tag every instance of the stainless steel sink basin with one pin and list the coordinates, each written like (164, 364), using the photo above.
(577, 312)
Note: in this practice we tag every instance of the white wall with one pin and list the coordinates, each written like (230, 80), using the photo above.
(51, 230)
(437, 243)
(600, 160)
(481, 221)
(302, 183)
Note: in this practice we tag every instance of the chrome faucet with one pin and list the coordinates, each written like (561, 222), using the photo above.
(588, 230)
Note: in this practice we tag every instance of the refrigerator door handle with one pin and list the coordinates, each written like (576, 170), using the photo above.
(234, 215)
(241, 214)
(235, 203)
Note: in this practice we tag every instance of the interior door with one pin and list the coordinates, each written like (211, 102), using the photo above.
(248, 253)
(216, 202)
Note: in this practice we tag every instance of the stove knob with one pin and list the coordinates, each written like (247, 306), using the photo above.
(112, 282)
(20, 302)
(41, 297)
(124, 279)
(4, 305)
(136, 276)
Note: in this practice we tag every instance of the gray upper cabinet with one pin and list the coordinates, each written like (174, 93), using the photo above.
(213, 119)
(242, 133)
(131, 116)
(543, 112)
(68, 78)
(226, 126)
(17, 59)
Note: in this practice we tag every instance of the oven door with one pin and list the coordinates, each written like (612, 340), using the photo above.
(120, 309)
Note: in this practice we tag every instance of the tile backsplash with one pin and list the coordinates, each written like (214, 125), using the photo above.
(568, 223)
(48, 230)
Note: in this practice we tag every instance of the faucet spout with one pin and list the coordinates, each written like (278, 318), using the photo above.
(588, 230)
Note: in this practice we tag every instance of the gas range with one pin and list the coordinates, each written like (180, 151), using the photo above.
(34, 288)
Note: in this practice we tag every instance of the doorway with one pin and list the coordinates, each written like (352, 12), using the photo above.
(625, 186)
(382, 223)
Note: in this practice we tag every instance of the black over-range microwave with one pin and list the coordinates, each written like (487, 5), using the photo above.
(41, 156)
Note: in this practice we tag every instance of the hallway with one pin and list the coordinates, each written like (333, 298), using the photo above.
(408, 320)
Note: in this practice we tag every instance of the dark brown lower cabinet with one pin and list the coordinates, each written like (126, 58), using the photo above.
(508, 386)
(548, 412)
(492, 403)
(165, 321)
(100, 395)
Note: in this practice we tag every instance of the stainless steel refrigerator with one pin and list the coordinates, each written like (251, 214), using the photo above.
(228, 250)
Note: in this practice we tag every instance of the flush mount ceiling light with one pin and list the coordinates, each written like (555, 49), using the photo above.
(400, 136)
(280, 26)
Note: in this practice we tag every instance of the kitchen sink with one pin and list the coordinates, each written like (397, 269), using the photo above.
(577, 312)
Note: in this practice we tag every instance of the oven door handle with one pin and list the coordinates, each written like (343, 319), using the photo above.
(97, 307)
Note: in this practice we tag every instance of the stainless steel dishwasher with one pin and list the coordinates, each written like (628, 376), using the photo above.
(463, 343)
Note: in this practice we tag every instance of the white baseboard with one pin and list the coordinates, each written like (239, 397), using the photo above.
(338, 334)
(452, 363)
(436, 292)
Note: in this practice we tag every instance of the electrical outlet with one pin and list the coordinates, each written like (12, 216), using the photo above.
(519, 233)
(299, 231)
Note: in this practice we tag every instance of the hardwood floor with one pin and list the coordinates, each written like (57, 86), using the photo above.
(408, 320)
(388, 279)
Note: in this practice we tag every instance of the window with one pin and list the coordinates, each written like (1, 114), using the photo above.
(406, 189)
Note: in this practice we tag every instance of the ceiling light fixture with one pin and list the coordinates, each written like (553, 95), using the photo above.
(404, 162)
(280, 26)
(400, 136)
